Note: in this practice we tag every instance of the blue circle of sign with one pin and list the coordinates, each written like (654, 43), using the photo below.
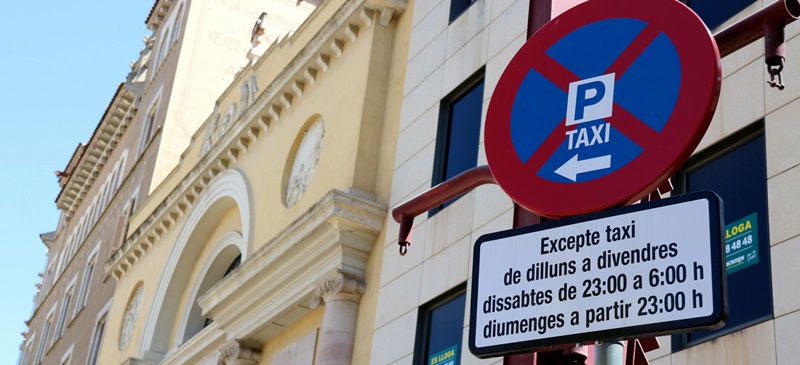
(647, 89)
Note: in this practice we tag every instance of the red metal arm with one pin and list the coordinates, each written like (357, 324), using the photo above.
(435, 196)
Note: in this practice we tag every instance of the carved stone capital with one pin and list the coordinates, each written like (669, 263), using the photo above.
(236, 353)
(340, 287)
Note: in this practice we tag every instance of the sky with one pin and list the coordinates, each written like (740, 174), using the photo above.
(61, 63)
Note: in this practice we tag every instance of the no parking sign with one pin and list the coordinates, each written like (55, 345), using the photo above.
(601, 105)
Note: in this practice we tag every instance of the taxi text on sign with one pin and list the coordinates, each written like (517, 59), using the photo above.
(601, 105)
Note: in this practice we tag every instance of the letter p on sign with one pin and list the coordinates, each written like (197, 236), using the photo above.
(590, 99)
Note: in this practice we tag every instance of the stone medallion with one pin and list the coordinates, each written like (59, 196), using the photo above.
(305, 162)
(130, 316)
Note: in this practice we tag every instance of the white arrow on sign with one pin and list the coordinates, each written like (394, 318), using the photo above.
(573, 167)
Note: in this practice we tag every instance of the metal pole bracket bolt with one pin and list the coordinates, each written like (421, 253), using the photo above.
(774, 52)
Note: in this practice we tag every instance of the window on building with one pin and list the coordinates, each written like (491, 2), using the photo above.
(121, 231)
(162, 51)
(23, 360)
(149, 127)
(716, 12)
(48, 277)
(458, 7)
(227, 261)
(43, 340)
(735, 169)
(439, 328)
(87, 279)
(62, 316)
(66, 359)
(97, 339)
(176, 31)
(458, 134)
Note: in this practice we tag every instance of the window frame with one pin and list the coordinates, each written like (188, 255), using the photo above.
(26, 353)
(66, 359)
(86, 281)
(723, 21)
(98, 333)
(444, 129)
(48, 278)
(698, 161)
(149, 128)
(44, 346)
(459, 7)
(163, 49)
(66, 301)
(421, 350)
(177, 24)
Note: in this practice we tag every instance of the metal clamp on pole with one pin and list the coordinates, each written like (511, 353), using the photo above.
(774, 52)
(769, 23)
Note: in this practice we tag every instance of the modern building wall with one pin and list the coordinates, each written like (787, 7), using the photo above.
(746, 102)
(447, 58)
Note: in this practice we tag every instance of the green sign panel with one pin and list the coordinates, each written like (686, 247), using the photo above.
(448, 356)
(741, 243)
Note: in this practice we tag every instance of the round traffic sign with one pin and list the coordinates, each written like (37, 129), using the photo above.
(601, 105)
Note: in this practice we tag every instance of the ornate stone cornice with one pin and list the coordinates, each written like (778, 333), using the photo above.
(82, 171)
(236, 353)
(200, 349)
(273, 288)
(341, 286)
(158, 13)
(298, 75)
(135, 361)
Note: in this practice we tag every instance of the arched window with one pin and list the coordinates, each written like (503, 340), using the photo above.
(227, 259)
(233, 266)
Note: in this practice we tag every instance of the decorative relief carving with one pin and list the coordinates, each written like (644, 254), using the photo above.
(341, 286)
(130, 316)
(236, 353)
(209, 140)
(226, 120)
(249, 88)
(218, 125)
(305, 162)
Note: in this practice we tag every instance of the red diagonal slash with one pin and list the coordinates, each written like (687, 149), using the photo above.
(622, 120)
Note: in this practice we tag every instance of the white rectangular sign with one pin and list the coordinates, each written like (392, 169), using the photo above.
(647, 269)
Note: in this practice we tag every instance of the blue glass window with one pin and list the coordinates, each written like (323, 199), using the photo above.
(439, 329)
(735, 169)
(716, 12)
(458, 7)
(458, 135)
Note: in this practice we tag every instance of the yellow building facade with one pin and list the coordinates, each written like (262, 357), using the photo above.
(264, 243)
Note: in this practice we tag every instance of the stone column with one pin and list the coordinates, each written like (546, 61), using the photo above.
(340, 294)
(236, 353)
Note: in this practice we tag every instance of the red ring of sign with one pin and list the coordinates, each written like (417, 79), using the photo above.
(662, 157)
